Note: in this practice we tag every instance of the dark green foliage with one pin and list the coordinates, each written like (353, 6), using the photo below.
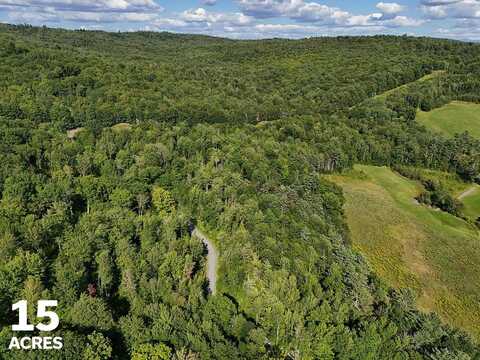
(435, 193)
(437, 196)
(234, 136)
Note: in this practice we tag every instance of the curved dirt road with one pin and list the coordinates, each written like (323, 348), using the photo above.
(212, 260)
(468, 192)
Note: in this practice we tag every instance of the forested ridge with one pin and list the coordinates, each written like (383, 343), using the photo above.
(234, 137)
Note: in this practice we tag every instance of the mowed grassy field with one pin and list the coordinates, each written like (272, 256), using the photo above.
(410, 245)
(456, 117)
(472, 203)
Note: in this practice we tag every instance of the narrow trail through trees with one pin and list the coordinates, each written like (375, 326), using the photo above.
(212, 260)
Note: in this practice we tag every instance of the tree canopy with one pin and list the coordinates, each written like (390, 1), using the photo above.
(234, 136)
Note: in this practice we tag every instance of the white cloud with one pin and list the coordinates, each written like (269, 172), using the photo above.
(390, 8)
(86, 5)
(302, 30)
(435, 12)
(304, 17)
(271, 8)
(78, 16)
(201, 15)
(206, 22)
(294, 9)
(458, 9)
(403, 21)
(166, 23)
(313, 12)
(80, 11)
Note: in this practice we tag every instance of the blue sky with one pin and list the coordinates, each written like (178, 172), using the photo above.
(459, 19)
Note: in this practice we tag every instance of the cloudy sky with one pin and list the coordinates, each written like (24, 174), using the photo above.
(459, 19)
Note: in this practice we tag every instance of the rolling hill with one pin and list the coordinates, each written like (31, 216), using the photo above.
(414, 246)
(116, 147)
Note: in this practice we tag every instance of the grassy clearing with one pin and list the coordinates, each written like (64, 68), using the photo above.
(456, 117)
(122, 126)
(411, 245)
(427, 77)
(472, 203)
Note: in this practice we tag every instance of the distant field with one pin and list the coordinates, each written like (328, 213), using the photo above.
(456, 117)
(430, 76)
(411, 245)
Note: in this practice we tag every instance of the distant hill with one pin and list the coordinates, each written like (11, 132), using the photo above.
(203, 79)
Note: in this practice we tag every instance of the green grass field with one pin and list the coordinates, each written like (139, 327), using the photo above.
(427, 77)
(472, 203)
(410, 245)
(456, 117)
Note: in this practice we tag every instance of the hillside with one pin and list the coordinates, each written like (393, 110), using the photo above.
(453, 118)
(234, 137)
(414, 246)
(109, 78)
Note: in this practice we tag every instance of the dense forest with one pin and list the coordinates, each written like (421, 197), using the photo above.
(234, 137)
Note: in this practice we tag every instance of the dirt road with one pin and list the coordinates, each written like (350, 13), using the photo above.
(212, 259)
(467, 192)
